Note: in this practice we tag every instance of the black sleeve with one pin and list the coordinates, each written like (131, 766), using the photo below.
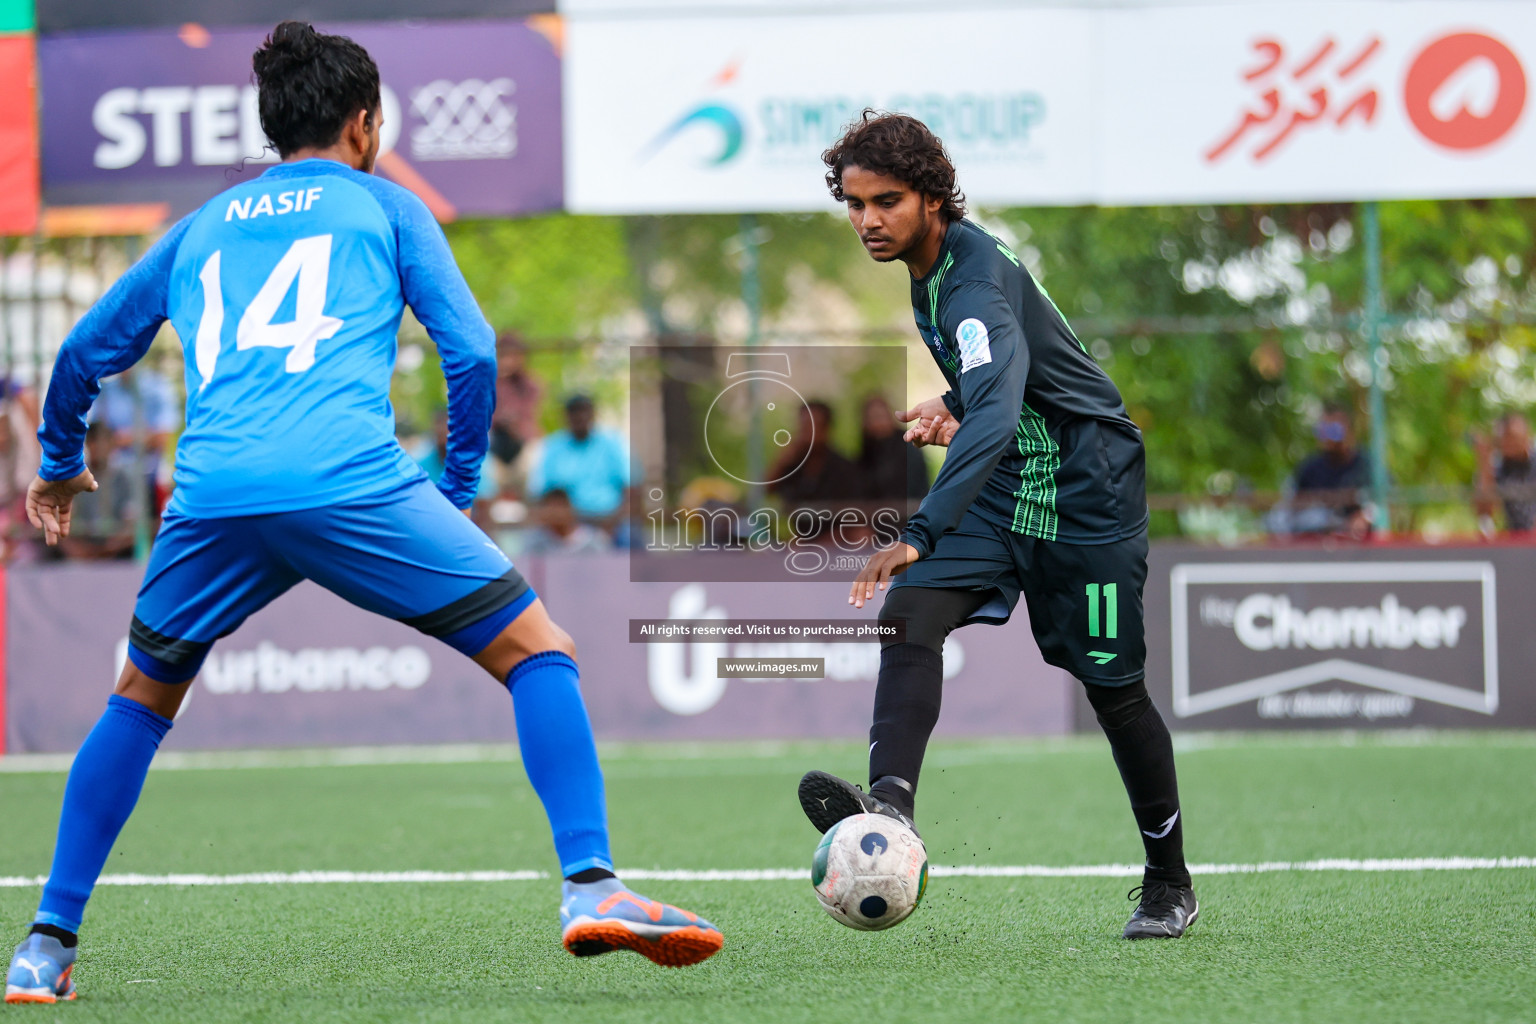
(994, 364)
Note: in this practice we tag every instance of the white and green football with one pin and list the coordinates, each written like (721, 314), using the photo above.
(870, 871)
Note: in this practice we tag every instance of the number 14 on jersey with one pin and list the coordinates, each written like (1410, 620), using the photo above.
(309, 260)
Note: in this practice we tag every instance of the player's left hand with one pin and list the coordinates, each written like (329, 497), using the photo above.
(937, 432)
(48, 503)
(877, 572)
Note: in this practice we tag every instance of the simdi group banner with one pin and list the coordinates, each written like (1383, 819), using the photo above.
(1118, 105)
(310, 670)
(471, 114)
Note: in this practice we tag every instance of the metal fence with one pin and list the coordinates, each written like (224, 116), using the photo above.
(1260, 408)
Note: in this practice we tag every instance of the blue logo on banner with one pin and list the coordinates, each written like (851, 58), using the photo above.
(715, 115)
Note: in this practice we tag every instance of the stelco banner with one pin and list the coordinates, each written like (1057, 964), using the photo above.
(471, 114)
(1160, 104)
(1300, 638)
(311, 670)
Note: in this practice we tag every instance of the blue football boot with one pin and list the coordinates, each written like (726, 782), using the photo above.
(600, 917)
(40, 971)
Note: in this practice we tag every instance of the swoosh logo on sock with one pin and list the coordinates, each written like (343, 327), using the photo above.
(1167, 827)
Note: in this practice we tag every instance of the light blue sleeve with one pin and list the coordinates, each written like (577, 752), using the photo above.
(618, 453)
(437, 293)
(111, 337)
(538, 472)
(488, 489)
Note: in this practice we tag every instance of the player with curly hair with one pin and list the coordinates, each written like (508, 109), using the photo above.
(1042, 494)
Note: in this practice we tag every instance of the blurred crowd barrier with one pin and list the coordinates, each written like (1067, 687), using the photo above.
(311, 670)
(1385, 637)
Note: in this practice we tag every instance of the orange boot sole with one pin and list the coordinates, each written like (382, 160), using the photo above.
(681, 948)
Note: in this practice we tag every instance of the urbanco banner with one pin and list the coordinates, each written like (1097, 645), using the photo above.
(738, 113)
(471, 114)
(1116, 105)
(311, 670)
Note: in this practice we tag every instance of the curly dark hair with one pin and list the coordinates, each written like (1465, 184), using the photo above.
(901, 146)
(309, 84)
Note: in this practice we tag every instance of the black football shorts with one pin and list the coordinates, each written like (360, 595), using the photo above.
(1084, 600)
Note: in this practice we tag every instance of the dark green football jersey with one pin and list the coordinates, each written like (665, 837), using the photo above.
(1045, 447)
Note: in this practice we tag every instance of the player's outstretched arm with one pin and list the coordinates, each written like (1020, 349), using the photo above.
(994, 368)
(112, 336)
(440, 297)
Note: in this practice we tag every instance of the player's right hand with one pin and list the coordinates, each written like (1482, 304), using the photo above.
(934, 423)
(48, 503)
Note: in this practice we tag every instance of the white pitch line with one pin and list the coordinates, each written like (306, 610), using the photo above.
(796, 874)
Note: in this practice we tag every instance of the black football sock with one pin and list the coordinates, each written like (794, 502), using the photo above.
(590, 875)
(1143, 752)
(907, 699)
(67, 939)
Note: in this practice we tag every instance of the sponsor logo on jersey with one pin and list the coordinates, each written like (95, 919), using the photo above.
(975, 346)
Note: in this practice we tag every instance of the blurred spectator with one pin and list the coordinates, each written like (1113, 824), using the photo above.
(823, 476)
(1324, 496)
(20, 455)
(711, 513)
(589, 463)
(21, 400)
(432, 460)
(141, 399)
(1506, 474)
(557, 531)
(515, 421)
(102, 521)
(892, 469)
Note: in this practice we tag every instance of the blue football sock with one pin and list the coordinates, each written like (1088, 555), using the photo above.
(560, 757)
(103, 786)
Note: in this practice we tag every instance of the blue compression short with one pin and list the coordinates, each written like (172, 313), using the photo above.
(408, 555)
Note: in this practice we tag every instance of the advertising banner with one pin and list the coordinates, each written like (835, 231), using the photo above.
(73, 15)
(1111, 104)
(1366, 638)
(471, 114)
(18, 136)
(311, 670)
(16, 16)
(737, 115)
(1317, 101)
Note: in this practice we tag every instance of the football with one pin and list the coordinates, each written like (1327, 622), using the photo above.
(870, 872)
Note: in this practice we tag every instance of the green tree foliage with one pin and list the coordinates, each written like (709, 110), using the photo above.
(1225, 327)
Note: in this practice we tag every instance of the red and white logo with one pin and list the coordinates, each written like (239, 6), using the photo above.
(1465, 91)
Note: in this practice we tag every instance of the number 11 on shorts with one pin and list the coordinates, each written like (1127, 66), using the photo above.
(1111, 610)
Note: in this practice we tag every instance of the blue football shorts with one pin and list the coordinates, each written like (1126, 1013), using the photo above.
(408, 555)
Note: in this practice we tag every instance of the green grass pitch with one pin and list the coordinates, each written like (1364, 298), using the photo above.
(1325, 946)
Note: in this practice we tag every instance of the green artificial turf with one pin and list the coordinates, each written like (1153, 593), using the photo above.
(1322, 946)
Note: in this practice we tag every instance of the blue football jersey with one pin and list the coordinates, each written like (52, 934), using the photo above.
(287, 293)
